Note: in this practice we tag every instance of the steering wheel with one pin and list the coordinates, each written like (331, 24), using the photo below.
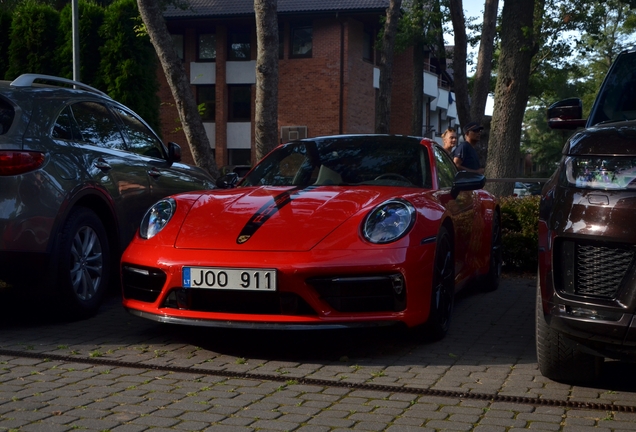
(394, 176)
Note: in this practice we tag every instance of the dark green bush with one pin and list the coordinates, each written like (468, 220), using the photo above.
(34, 36)
(520, 232)
(128, 67)
(91, 18)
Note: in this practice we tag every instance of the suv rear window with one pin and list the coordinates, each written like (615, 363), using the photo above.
(6, 116)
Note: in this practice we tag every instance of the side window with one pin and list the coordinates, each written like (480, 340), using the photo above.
(6, 116)
(206, 102)
(140, 139)
(96, 125)
(301, 38)
(446, 169)
(239, 45)
(65, 127)
(206, 47)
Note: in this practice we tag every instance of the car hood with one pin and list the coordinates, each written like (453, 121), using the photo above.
(617, 138)
(274, 218)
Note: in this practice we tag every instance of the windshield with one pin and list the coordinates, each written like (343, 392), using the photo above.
(617, 98)
(344, 161)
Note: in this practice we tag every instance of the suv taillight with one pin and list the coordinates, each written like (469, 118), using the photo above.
(19, 162)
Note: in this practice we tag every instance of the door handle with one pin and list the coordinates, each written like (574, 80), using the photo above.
(154, 172)
(102, 165)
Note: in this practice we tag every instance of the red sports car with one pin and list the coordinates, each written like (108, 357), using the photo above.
(336, 231)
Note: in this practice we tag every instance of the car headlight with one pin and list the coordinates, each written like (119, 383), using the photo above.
(613, 172)
(157, 217)
(389, 221)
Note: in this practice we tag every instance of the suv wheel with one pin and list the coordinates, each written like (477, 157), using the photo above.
(559, 358)
(84, 263)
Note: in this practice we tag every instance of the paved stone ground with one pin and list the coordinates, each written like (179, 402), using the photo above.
(489, 351)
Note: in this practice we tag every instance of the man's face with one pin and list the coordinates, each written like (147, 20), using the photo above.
(473, 136)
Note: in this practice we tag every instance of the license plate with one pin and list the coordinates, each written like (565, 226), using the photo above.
(229, 279)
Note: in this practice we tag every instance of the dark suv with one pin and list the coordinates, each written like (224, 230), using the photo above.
(77, 173)
(586, 295)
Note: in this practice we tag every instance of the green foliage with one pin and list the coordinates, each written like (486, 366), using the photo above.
(5, 30)
(128, 64)
(520, 232)
(91, 18)
(34, 30)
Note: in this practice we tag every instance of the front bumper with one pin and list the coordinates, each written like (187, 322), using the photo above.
(326, 289)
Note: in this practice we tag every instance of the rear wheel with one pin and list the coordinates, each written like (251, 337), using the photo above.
(491, 282)
(443, 290)
(84, 263)
(559, 358)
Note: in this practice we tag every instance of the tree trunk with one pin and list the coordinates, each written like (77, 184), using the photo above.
(383, 105)
(460, 81)
(481, 86)
(417, 112)
(266, 119)
(511, 91)
(151, 14)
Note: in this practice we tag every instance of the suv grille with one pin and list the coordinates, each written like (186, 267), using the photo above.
(590, 269)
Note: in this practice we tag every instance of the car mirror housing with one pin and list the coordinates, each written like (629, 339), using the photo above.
(227, 181)
(174, 152)
(467, 181)
(566, 114)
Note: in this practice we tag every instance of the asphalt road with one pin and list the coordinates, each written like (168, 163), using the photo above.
(117, 372)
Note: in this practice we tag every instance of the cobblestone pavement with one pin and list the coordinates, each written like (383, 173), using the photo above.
(117, 372)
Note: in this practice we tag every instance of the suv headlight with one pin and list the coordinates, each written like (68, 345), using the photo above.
(601, 172)
(157, 217)
(389, 221)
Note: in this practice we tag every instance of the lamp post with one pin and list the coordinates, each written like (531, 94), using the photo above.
(76, 45)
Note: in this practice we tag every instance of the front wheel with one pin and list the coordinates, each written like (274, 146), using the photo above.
(559, 358)
(84, 263)
(443, 290)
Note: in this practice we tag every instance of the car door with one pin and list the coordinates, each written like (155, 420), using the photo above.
(164, 176)
(121, 174)
(462, 212)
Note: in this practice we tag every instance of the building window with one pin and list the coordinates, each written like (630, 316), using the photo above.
(367, 45)
(206, 47)
(177, 41)
(301, 41)
(281, 43)
(206, 102)
(240, 103)
(239, 156)
(239, 45)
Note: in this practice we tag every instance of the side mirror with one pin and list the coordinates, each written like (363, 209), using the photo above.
(566, 114)
(174, 152)
(467, 181)
(227, 181)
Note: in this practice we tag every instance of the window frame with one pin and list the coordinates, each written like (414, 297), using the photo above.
(293, 28)
(205, 59)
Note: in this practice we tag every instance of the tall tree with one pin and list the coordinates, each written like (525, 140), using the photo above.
(459, 57)
(266, 118)
(383, 105)
(481, 85)
(518, 46)
(151, 14)
(472, 106)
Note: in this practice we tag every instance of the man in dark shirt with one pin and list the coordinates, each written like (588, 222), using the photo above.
(465, 156)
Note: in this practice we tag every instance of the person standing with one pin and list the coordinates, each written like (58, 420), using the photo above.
(449, 140)
(465, 156)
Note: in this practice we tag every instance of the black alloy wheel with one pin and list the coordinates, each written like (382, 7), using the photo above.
(443, 290)
(84, 263)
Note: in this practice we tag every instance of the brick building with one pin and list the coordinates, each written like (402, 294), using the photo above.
(328, 74)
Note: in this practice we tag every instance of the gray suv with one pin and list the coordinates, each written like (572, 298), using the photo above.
(78, 171)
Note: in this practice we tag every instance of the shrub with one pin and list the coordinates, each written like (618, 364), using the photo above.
(520, 232)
